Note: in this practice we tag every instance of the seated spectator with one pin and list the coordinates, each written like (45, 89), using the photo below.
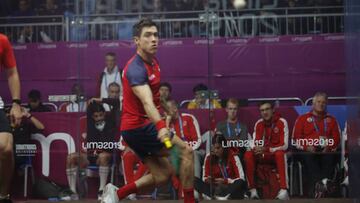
(316, 134)
(187, 128)
(101, 129)
(34, 102)
(202, 100)
(110, 74)
(165, 91)
(50, 8)
(24, 9)
(232, 128)
(272, 130)
(79, 104)
(22, 133)
(222, 169)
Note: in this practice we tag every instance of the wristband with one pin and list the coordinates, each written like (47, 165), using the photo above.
(160, 125)
(17, 101)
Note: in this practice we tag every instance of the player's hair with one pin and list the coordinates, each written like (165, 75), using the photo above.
(266, 102)
(233, 101)
(166, 84)
(34, 94)
(110, 54)
(95, 107)
(145, 22)
(220, 139)
(320, 94)
(114, 84)
(200, 87)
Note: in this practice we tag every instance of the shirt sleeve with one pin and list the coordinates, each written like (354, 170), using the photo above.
(8, 58)
(137, 75)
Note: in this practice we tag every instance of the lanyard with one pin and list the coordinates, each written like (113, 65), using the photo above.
(105, 78)
(317, 127)
(237, 130)
(272, 128)
(223, 170)
(181, 128)
(80, 107)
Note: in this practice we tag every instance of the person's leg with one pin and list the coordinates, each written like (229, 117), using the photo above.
(186, 169)
(313, 173)
(328, 163)
(160, 171)
(281, 166)
(128, 162)
(6, 163)
(73, 162)
(237, 189)
(249, 159)
(103, 162)
(202, 187)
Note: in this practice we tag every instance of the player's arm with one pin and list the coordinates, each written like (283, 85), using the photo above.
(8, 61)
(143, 92)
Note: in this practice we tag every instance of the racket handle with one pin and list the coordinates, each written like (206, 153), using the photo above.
(167, 143)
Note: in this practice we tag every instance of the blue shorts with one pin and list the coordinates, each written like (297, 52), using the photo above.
(143, 141)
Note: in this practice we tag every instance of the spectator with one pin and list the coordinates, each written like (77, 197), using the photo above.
(223, 169)
(101, 131)
(165, 91)
(110, 74)
(202, 100)
(112, 103)
(317, 135)
(187, 128)
(79, 104)
(35, 104)
(232, 128)
(50, 8)
(22, 133)
(24, 9)
(273, 132)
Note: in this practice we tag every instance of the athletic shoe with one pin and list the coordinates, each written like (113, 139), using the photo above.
(283, 195)
(132, 197)
(254, 194)
(222, 198)
(100, 192)
(109, 195)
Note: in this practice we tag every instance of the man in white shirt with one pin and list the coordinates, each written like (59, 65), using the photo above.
(110, 74)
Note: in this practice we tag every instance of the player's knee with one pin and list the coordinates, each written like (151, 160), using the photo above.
(162, 178)
(104, 159)
(279, 153)
(5, 151)
(188, 154)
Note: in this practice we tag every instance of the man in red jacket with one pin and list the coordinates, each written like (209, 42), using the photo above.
(271, 135)
(317, 134)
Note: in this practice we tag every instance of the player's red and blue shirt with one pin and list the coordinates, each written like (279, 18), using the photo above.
(138, 72)
(7, 58)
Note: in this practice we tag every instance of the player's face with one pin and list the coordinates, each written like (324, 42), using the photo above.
(164, 92)
(319, 104)
(98, 116)
(148, 40)
(34, 103)
(266, 111)
(218, 150)
(110, 61)
(199, 98)
(114, 92)
(173, 110)
(231, 110)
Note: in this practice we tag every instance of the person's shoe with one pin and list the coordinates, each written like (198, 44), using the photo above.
(254, 194)
(109, 195)
(320, 189)
(100, 192)
(132, 197)
(283, 195)
(69, 196)
(222, 198)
